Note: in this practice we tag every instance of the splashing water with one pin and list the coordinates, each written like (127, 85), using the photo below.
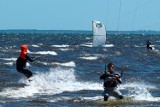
(55, 81)
(139, 91)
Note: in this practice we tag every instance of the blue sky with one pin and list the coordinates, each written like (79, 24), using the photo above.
(117, 15)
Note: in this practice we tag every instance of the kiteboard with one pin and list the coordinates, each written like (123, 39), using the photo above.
(118, 102)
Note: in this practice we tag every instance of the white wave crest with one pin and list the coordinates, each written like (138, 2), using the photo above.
(61, 46)
(44, 52)
(9, 59)
(68, 64)
(63, 49)
(109, 45)
(55, 81)
(35, 46)
(139, 91)
(9, 63)
(89, 58)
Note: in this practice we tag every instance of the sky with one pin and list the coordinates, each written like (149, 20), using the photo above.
(117, 15)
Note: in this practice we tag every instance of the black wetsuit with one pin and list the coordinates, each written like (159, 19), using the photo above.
(148, 45)
(110, 85)
(112, 81)
(21, 65)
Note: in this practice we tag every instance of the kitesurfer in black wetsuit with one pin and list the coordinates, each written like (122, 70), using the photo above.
(22, 60)
(111, 81)
(149, 45)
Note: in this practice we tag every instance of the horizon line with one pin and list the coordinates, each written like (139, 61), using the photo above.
(76, 30)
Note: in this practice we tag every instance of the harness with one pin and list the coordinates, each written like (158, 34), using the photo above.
(110, 80)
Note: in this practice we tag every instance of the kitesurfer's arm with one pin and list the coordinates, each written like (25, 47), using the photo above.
(119, 80)
(118, 77)
(107, 74)
(31, 59)
(103, 76)
(36, 57)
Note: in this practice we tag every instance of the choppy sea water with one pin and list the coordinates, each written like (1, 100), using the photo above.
(68, 72)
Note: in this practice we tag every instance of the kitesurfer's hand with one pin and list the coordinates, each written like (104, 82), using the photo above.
(117, 75)
(37, 57)
(122, 69)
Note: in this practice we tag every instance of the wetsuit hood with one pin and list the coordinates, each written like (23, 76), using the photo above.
(23, 53)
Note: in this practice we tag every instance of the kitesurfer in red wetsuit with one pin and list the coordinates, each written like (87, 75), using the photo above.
(22, 60)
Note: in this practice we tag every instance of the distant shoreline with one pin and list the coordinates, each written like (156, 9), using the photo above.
(75, 31)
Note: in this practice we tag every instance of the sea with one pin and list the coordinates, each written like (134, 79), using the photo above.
(68, 72)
